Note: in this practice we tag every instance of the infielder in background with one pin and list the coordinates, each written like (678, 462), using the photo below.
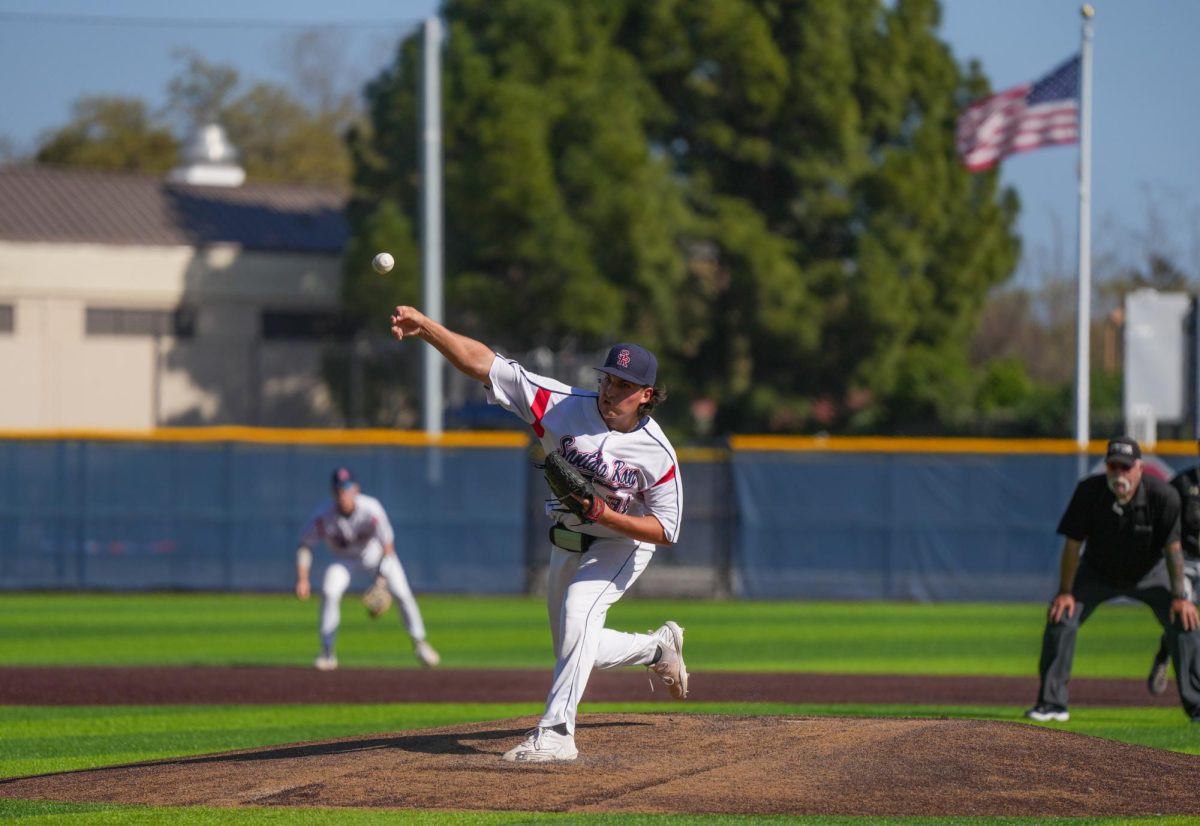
(357, 531)
(1130, 522)
(608, 436)
(1187, 485)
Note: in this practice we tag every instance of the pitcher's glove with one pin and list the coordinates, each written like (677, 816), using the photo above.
(571, 488)
(377, 598)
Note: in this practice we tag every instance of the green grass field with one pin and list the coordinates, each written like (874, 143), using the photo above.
(189, 629)
(507, 632)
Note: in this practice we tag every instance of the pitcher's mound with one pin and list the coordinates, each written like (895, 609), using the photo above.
(677, 764)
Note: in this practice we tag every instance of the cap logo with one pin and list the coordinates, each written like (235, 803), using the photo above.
(343, 475)
(1122, 448)
(630, 363)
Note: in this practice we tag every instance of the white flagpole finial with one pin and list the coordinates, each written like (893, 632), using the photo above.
(1087, 11)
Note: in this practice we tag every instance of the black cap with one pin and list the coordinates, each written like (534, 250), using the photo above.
(632, 363)
(1123, 451)
(342, 479)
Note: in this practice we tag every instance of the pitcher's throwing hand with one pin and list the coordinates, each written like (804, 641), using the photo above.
(407, 321)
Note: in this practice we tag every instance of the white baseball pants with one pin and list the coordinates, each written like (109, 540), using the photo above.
(338, 577)
(580, 590)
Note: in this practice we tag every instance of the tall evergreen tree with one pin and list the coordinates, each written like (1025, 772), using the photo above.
(767, 191)
(556, 201)
(831, 126)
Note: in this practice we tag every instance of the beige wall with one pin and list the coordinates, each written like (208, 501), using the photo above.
(55, 376)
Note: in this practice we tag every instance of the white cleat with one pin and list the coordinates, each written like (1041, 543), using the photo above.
(326, 662)
(1048, 714)
(426, 653)
(670, 667)
(542, 745)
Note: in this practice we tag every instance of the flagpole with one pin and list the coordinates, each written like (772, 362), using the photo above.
(1084, 316)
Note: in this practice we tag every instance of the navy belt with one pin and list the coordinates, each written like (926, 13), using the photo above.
(570, 540)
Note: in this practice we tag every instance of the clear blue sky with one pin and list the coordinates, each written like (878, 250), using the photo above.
(1144, 106)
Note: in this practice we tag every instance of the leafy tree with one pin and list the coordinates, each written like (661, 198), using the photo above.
(1158, 273)
(201, 91)
(1030, 328)
(315, 61)
(111, 133)
(556, 200)
(833, 123)
(766, 192)
(1005, 384)
(385, 228)
(278, 138)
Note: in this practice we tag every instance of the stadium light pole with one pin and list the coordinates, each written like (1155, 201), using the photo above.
(431, 215)
(1083, 318)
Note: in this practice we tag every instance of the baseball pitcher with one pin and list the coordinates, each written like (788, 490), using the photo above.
(617, 494)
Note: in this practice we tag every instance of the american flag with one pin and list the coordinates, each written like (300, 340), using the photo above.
(1044, 113)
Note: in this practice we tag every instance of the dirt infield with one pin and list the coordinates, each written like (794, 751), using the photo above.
(664, 763)
(647, 763)
(164, 686)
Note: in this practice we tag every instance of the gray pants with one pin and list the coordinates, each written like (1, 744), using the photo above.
(1191, 570)
(1058, 641)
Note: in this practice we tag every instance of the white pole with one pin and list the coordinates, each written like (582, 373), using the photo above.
(431, 228)
(1083, 319)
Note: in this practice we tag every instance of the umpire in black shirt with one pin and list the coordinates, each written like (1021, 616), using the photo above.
(1130, 523)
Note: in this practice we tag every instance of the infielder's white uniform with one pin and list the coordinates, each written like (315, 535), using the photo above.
(636, 473)
(357, 542)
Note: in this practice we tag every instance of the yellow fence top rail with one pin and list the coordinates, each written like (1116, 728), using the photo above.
(892, 444)
(273, 435)
(516, 438)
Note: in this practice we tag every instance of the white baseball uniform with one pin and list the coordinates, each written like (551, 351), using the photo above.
(357, 542)
(636, 473)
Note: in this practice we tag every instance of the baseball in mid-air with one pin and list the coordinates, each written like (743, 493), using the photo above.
(383, 262)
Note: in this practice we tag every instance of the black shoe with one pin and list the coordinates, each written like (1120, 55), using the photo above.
(1048, 714)
(1156, 683)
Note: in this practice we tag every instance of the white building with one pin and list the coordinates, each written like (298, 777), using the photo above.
(131, 302)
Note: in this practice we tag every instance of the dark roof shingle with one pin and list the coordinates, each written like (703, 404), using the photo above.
(69, 205)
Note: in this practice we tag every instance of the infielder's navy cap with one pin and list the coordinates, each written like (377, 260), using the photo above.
(1123, 451)
(632, 363)
(342, 479)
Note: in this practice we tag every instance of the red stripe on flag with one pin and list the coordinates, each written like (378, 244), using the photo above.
(1025, 117)
(539, 410)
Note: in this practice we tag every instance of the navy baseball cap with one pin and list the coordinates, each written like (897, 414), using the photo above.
(342, 479)
(1123, 451)
(632, 363)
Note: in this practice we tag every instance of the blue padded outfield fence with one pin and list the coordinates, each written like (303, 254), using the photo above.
(222, 510)
(839, 518)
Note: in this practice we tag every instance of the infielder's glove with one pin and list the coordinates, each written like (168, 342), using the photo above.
(571, 488)
(377, 599)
